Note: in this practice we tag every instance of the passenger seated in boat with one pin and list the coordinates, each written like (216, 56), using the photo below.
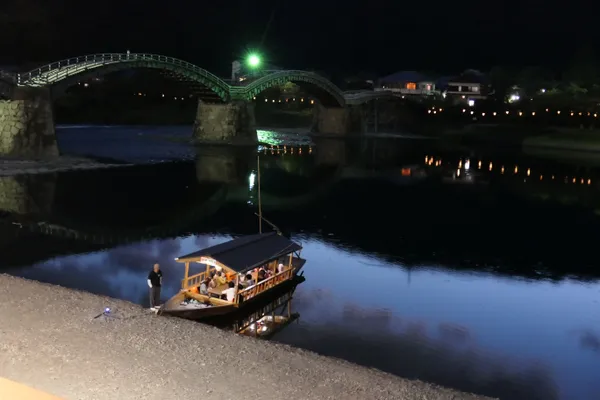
(212, 283)
(249, 281)
(229, 293)
(203, 289)
(261, 275)
(221, 280)
(280, 268)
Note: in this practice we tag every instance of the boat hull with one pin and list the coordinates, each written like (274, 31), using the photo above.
(211, 314)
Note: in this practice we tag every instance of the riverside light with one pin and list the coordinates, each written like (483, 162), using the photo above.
(253, 60)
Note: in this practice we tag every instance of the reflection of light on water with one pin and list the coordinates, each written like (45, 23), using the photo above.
(251, 180)
(289, 137)
(431, 160)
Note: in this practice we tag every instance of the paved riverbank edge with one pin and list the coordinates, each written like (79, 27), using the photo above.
(10, 390)
(49, 340)
(11, 167)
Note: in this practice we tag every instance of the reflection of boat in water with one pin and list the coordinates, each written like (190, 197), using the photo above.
(263, 319)
(269, 259)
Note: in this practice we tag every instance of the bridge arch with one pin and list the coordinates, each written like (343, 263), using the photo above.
(62, 74)
(323, 89)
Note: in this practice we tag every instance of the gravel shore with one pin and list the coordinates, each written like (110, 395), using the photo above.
(9, 167)
(50, 341)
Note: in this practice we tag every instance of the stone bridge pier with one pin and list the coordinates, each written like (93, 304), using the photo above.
(338, 121)
(230, 123)
(27, 124)
(234, 123)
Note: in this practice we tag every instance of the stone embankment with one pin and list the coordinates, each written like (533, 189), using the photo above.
(49, 340)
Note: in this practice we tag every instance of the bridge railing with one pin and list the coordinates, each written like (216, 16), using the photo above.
(75, 65)
(259, 84)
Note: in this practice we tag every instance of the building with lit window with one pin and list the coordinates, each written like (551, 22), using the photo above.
(469, 86)
(408, 83)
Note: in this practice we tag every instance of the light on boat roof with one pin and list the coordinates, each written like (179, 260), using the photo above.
(176, 258)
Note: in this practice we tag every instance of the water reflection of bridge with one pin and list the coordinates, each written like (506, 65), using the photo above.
(146, 201)
(98, 209)
(428, 224)
(329, 194)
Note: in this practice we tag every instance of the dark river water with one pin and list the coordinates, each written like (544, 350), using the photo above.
(476, 270)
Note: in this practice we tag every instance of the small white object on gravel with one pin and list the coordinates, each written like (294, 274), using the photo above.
(49, 340)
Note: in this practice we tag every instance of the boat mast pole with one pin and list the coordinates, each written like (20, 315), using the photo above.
(259, 200)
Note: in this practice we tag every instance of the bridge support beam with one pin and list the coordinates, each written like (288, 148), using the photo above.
(27, 124)
(231, 123)
(338, 121)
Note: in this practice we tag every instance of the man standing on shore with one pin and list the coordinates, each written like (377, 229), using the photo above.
(154, 284)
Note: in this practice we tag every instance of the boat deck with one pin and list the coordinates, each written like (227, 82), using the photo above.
(190, 306)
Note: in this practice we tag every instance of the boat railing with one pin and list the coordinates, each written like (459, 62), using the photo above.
(265, 285)
(194, 280)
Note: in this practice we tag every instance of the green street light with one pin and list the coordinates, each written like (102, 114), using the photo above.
(253, 60)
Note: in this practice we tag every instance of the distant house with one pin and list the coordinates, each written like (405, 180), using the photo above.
(469, 86)
(408, 83)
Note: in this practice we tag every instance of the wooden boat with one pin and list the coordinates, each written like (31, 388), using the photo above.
(237, 258)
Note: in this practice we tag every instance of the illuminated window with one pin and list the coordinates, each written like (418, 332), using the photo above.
(428, 87)
(475, 88)
(411, 86)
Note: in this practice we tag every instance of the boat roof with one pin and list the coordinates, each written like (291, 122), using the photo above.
(246, 252)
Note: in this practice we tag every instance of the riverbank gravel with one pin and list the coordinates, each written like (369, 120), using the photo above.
(50, 340)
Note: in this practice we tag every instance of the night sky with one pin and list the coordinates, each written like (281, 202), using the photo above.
(375, 36)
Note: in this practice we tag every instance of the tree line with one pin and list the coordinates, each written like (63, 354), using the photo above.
(575, 85)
